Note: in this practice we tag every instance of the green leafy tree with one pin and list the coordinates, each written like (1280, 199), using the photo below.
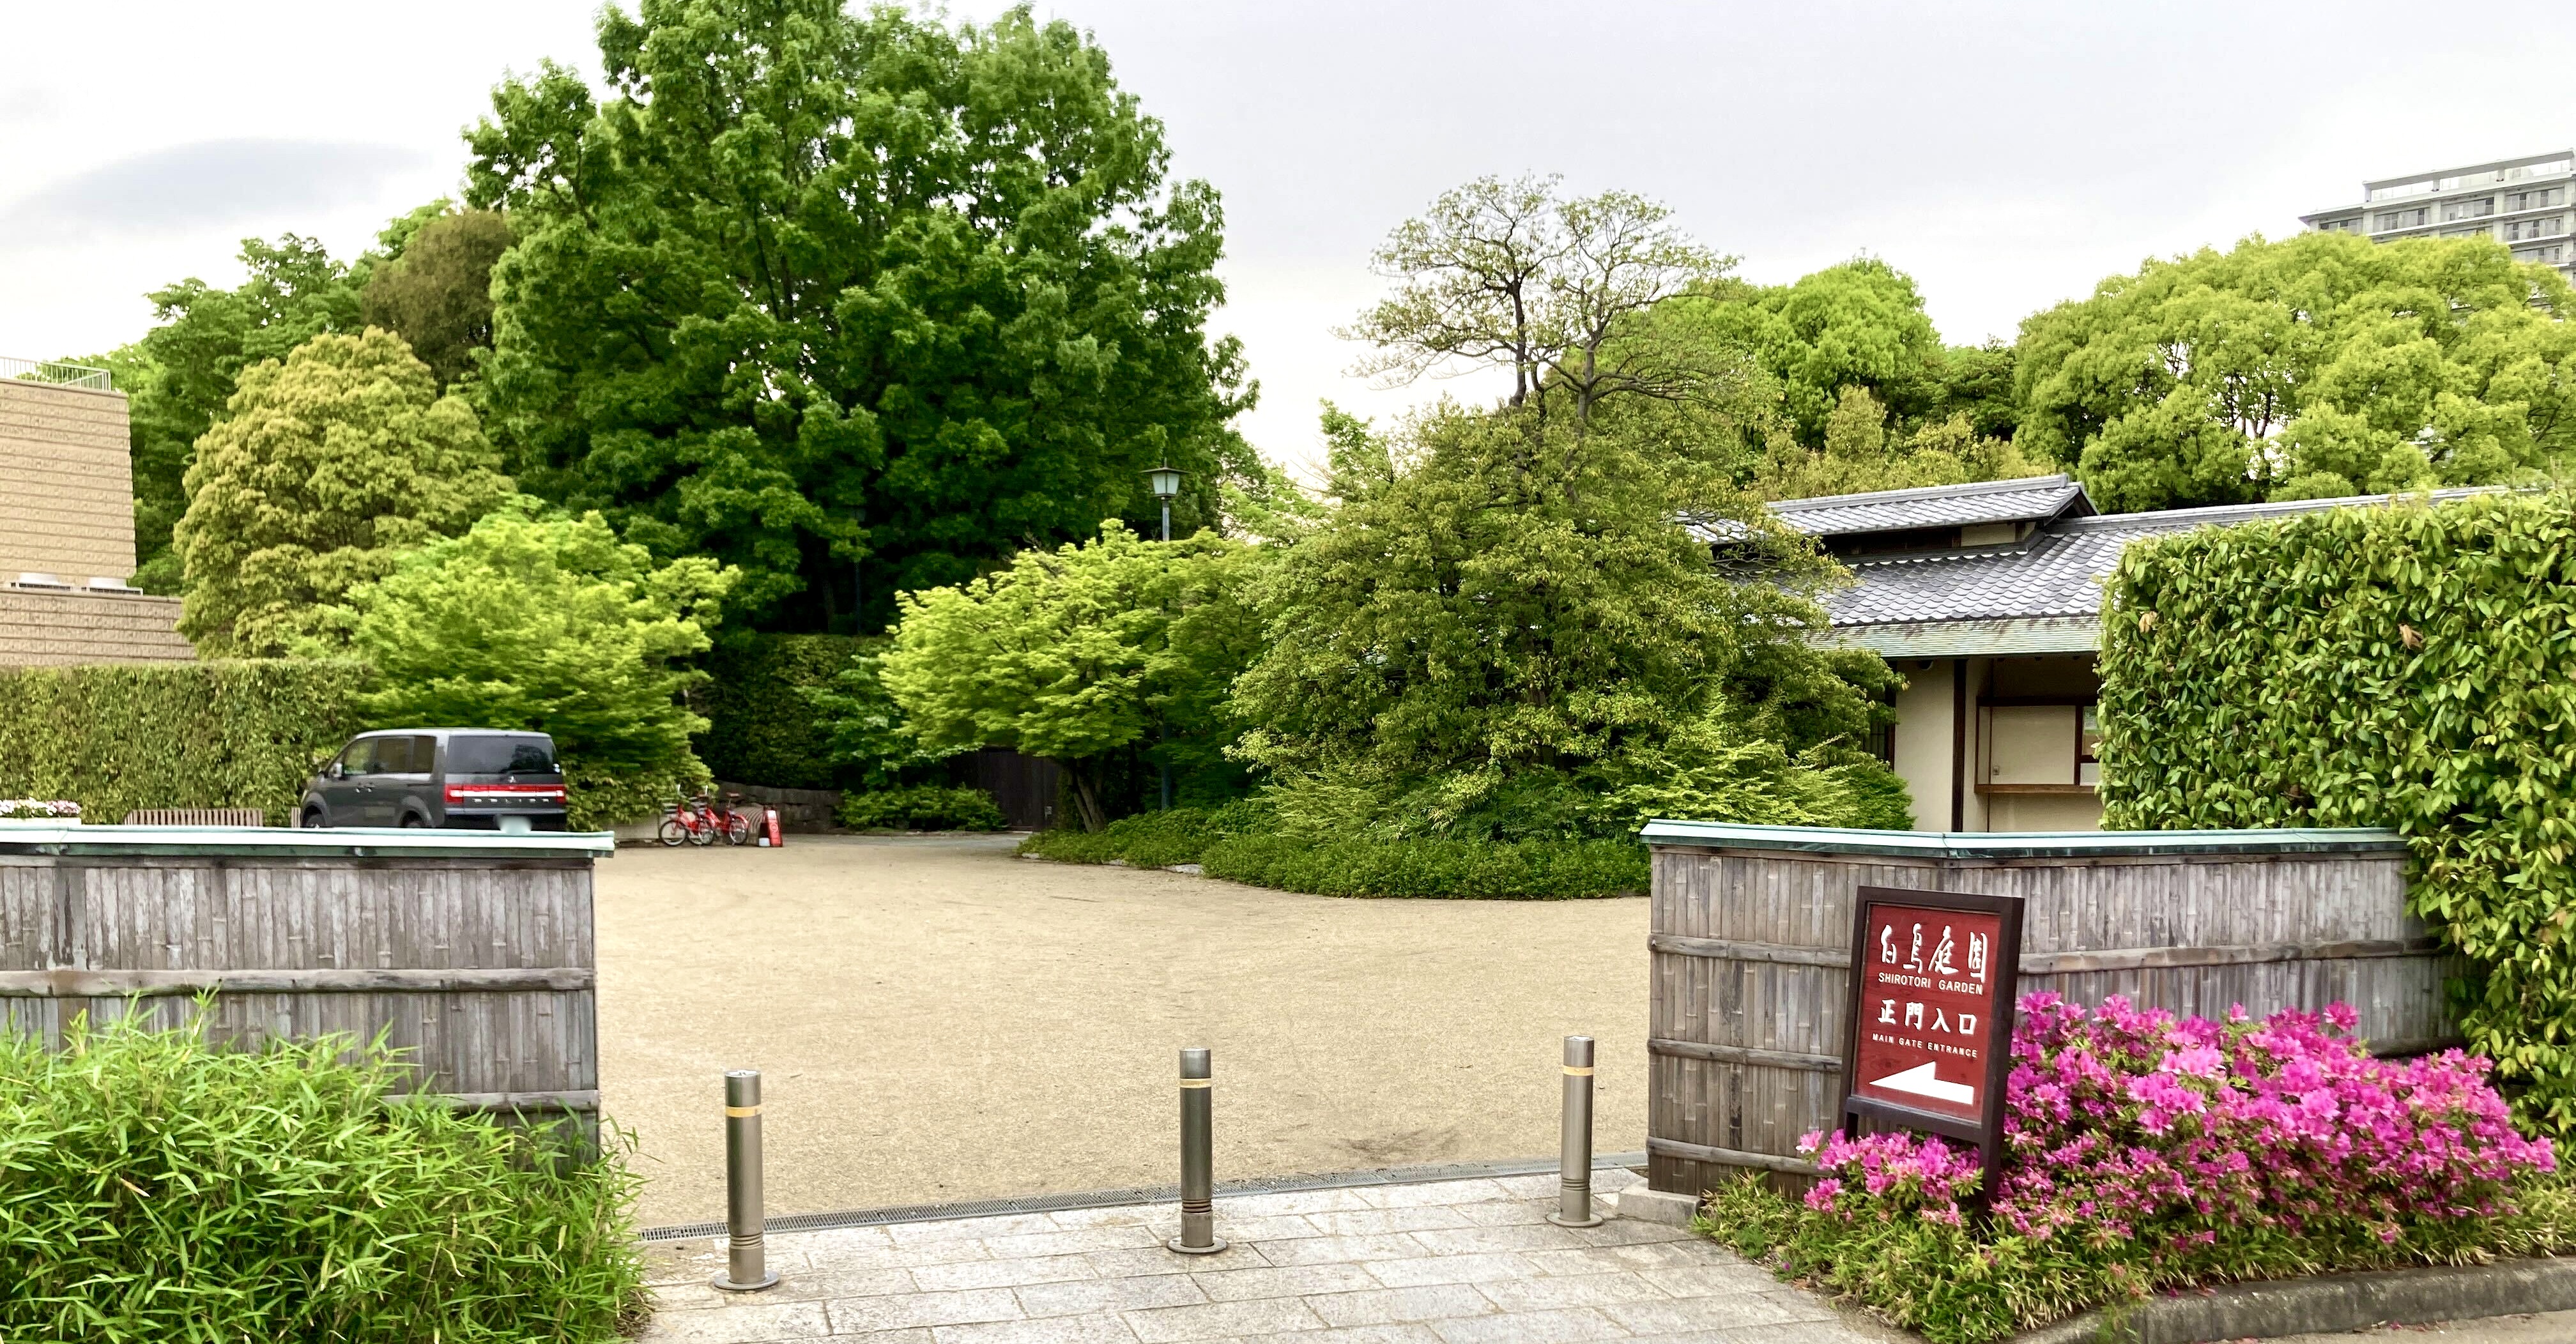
(1976, 381)
(2318, 366)
(552, 625)
(856, 301)
(436, 293)
(327, 466)
(180, 375)
(1471, 643)
(863, 729)
(1859, 324)
(1860, 454)
(1078, 652)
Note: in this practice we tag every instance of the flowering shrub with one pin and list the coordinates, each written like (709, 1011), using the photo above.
(2119, 1118)
(2146, 1152)
(38, 809)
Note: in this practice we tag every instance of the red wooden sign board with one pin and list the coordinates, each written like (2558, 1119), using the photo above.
(1931, 1014)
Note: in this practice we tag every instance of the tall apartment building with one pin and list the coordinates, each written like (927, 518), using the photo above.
(2523, 203)
(67, 526)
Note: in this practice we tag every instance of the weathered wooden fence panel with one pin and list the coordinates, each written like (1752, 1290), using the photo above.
(472, 951)
(1751, 941)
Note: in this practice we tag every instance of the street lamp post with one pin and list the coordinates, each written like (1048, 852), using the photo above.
(1166, 481)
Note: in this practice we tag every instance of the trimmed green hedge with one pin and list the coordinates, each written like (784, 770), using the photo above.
(926, 807)
(154, 1186)
(113, 737)
(761, 727)
(1231, 842)
(2410, 666)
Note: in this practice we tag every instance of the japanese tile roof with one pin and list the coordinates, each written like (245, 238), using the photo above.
(2055, 572)
(2034, 499)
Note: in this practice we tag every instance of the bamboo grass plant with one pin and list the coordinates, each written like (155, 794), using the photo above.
(156, 1185)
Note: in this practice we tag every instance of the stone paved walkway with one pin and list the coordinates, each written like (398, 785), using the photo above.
(1442, 1262)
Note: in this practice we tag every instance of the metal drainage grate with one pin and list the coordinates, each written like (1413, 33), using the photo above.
(1157, 1194)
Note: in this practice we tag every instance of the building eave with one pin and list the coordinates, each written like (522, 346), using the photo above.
(1974, 639)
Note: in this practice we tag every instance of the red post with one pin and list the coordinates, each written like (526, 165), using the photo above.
(770, 836)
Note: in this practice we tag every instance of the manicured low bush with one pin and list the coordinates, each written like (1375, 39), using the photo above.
(157, 1186)
(2147, 1154)
(1236, 842)
(1520, 870)
(1145, 840)
(923, 808)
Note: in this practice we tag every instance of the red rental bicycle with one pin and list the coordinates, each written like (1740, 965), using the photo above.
(687, 822)
(736, 825)
(702, 821)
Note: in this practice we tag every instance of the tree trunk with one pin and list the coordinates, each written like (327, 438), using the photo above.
(1084, 775)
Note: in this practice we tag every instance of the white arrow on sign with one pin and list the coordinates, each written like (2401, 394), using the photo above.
(1920, 1081)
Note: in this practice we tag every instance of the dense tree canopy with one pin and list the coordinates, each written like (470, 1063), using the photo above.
(326, 466)
(437, 294)
(2321, 365)
(812, 286)
(1487, 635)
(178, 377)
(550, 625)
(1077, 652)
(1860, 324)
(1862, 454)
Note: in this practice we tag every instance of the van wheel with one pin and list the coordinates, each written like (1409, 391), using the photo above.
(312, 819)
(414, 819)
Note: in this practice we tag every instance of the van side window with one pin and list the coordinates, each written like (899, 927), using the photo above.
(393, 755)
(360, 758)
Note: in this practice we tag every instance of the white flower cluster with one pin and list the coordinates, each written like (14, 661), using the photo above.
(38, 809)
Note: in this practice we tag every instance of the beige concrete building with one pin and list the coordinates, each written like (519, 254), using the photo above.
(1987, 598)
(67, 526)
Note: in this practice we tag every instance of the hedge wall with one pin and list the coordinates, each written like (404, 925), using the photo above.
(760, 727)
(2411, 666)
(112, 737)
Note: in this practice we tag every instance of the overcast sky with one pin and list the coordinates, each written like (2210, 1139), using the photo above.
(2007, 155)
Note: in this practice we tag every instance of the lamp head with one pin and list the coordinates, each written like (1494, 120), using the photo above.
(1165, 480)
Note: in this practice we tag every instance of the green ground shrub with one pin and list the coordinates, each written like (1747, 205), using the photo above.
(2410, 666)
(155, 1186)
(114, 737)
(1965, 1285)
(926, 807)
(1239, 842)
(1148, 839)
(762, 725)
(1515, 870)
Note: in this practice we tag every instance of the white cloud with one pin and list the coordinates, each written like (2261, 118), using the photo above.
(211, 184)
(2007, 153)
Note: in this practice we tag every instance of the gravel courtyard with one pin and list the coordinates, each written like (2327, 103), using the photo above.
(938, 1020)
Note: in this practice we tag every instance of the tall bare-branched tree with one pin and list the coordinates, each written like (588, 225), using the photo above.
(1507, 273)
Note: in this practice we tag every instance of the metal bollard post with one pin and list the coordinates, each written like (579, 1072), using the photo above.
(1574, 1147)
(746, 1256)
(1198, 1159)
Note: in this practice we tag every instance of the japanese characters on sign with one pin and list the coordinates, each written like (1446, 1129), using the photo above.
(1928, 995)
(1933, 984)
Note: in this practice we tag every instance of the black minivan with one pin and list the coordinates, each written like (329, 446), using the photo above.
(464, 778)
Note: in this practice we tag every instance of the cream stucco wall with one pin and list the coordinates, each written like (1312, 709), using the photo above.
(1923, 740)
(2026, 745)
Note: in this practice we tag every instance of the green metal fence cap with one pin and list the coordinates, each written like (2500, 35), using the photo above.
(2018, 844)
(284, 843)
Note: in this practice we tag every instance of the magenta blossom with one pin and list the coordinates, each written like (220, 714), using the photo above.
(2117, 1120)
